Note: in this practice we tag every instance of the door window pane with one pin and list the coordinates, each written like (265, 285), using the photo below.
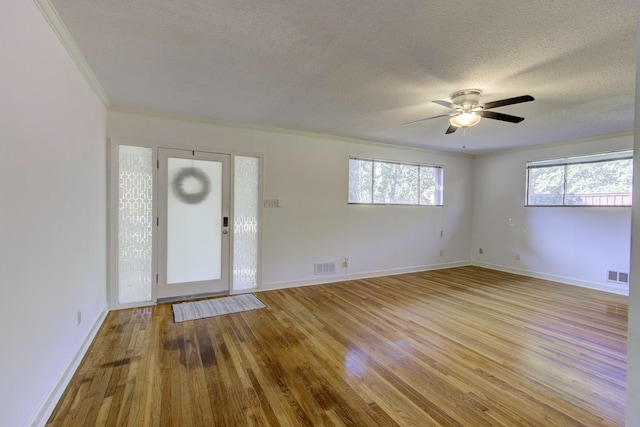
(194, 220)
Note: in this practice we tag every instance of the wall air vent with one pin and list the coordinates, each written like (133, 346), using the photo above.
(617, 276)
(324, 268)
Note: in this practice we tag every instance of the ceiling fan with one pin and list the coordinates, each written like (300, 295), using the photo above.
(468, 111)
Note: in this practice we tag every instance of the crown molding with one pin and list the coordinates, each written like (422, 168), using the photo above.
(560, 143)
(247, 126)
(55, 22)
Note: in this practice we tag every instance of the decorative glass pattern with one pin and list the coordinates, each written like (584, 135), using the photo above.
(245, 225)
(135, 223)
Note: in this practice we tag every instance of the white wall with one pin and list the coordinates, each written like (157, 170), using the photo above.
(52, 214)
(569, 244)
(310, 175)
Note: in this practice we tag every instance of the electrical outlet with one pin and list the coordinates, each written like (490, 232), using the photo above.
(480, 251)
(79, 317)
(441, 233)
(441, 253)
(517, 257)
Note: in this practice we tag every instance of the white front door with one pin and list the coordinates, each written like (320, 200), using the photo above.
(193, 223)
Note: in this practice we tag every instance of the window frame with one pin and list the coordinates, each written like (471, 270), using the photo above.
(439, 191)
(626, 154)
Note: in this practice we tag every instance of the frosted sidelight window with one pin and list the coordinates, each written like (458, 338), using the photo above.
(245, 225)
(135, 223)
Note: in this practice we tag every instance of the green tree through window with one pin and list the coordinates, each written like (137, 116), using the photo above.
(596, 180)
(383, 182)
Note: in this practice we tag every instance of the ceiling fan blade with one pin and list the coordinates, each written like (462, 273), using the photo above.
(451, 129)
(500, 116)
(508, 101)
(422, 120)
(446, 104)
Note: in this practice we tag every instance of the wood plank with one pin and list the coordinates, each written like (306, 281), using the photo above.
(454, 347)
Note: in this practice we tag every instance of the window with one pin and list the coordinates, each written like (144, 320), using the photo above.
(246, 222)
(394, 183)
(595, 180)
(135, 224)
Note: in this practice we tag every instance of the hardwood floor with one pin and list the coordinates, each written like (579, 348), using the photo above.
(455, 347)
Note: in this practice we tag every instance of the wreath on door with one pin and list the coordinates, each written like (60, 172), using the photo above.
(185, 174)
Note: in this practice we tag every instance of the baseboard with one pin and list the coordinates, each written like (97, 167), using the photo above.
(333, 278)
(47, 406)
(605, 287)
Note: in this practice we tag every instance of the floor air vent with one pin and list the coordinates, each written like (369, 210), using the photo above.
(324, 268)
(617, 276)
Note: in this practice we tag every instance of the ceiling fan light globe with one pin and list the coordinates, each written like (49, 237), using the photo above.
(465, 120)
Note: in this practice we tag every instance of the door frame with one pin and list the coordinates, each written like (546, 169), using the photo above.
(190, 290)
(112, 181)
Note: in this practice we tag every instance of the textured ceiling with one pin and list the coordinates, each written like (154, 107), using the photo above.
(361, 68)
